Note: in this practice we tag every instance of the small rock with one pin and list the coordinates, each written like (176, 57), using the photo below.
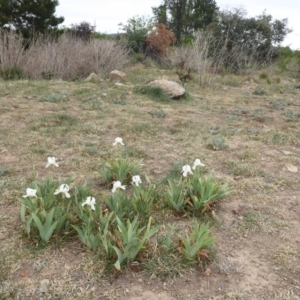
(291, 168)
(207, 272)
(43, 288)
(171, 88)
(94, 78)
(122, 84)
(39, 266)
(117, 76)
(287, 152)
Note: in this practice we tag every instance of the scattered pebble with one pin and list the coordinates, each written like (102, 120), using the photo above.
(43, 288)
(287, 152)
(39, 266)
(291, 168)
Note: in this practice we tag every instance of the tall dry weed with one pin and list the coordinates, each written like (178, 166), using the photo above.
(11, 50)
(66, 57)
(200, 57)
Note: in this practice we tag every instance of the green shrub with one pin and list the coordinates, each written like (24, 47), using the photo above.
(13, 73)
(259, 91)
(218, 143)
(290, 61)
(131, 240)
(55, 98)
(263, 75)
(195, 193)
(154, 93)
(120, 170)
(197, 240)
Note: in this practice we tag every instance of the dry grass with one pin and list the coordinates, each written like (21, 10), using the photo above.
(78, 122)
(66, 57)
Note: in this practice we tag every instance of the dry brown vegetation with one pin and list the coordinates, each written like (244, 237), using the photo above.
(66, 57)
(256, 228)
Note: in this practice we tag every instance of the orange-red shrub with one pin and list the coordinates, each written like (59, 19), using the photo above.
(158, 40)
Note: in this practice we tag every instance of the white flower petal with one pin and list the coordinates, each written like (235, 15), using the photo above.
(197, 162)
(118, 140)
(118, 185)
(136, 180)
(51, 161)
(64, 189)
(30, 193)
(186, 170)
(91, 201)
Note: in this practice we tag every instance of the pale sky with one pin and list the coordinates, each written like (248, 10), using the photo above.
(107, 14)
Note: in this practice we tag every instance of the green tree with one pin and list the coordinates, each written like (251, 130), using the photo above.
(29, 16)
(84, 30)
(184, 17)
(255, 36)
(136, 31)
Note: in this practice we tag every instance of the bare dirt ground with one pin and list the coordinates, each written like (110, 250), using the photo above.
(257, 228)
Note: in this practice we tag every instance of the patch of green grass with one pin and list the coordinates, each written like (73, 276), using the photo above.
(91, 150)
(136, 152)
(159, 113)
(38, 149)
(253, 131)
(278, 104)
(83, 93)
(175, 171)
(58, 120)
(92, 104)
(247, 155)
(55, 123)
(167, 263)
(119, 101)
(254, 221)
(231, 80)
(3, 270)
(12, 73)
(279, 138)
(218, 143)
(55, 98)
(232, 118)
(259, 91)
(154, 93)
(4, 171)
(286, 258)
(263, 75)
(292, 116)
(144, 128)
(237, 169)
(225, 130)
(260, 116)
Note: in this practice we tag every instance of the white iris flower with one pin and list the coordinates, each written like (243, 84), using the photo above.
(118, 185)
(30, 193)
(136, 180)
(186, 170)
(63, 189)
(91, 201)
(118, 140)
(51, 161)
(197, 163)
